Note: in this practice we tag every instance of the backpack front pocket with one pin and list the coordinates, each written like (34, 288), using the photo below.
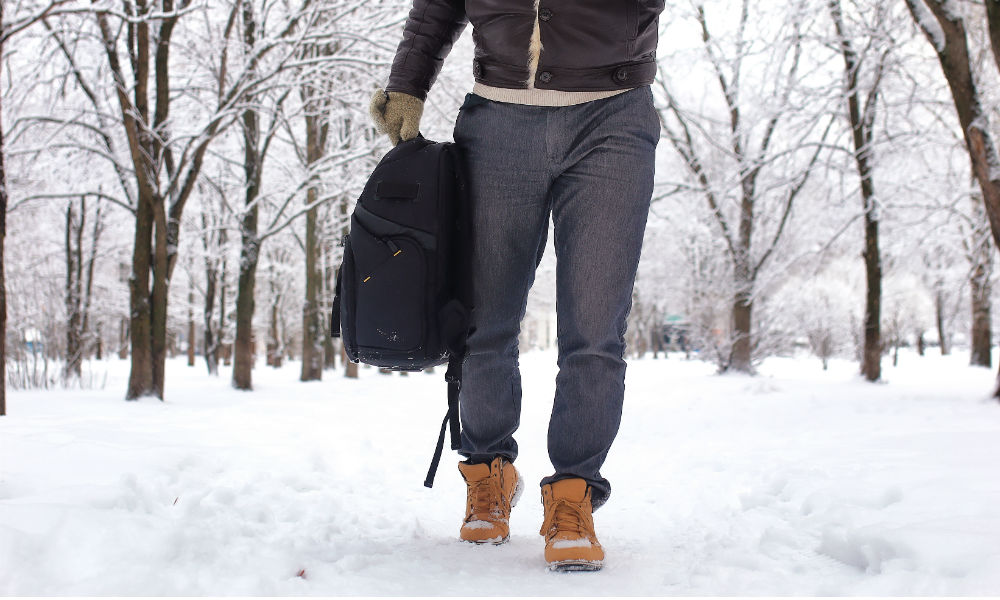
(390, 272)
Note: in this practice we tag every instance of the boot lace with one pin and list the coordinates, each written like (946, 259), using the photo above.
(566, 516)
(486, 499)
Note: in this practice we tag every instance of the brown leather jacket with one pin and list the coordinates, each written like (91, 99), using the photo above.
(587, 45)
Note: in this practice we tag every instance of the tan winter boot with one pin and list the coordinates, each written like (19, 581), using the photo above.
(493, 489)
(570, 541)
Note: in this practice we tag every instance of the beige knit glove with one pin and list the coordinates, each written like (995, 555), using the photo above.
(396, 114)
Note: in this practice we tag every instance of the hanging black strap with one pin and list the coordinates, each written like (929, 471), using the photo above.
(335, 317)
(454, 378)
(456, 315)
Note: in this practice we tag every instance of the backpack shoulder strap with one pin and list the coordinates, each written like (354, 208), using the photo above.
(451, 420)
(456, 314)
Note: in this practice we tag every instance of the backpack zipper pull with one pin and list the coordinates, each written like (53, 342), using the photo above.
(393, 247)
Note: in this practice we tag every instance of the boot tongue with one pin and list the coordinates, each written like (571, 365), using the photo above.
(476, 472)
(574, 490)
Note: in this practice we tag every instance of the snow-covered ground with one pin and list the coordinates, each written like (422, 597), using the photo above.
(797, 481)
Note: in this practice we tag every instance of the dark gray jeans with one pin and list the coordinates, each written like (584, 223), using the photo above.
(591, 166)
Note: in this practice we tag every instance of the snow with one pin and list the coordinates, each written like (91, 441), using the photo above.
(797, 481)
(578, 543)
(929, 23)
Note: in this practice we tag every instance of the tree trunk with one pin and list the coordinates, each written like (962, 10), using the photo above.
(244, 348)
(225, 349)
(274, 350)
(993, 19)
(741, 349)
(982, 335)
(312, 321)
(939, 318)
(79, 286)
(88, 292)
(74, 318)
(329, 281)
(742, 354)
(210, 341)
(350, 368)
(140, 378)
(191, 327)
(161, 282)
(980, 253)
(312, 329)
(123, 338)
(871, 365)
(3, 235)
(330, 353)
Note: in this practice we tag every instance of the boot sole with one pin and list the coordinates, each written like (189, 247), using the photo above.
(489, 542)
(571, 566)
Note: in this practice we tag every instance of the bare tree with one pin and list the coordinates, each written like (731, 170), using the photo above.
(159, 203)
(861, 117)
(166, 155)
(8, 28)
(739, 205)
(325, 60)
(317, 99)
(944, 28)
(255, 147)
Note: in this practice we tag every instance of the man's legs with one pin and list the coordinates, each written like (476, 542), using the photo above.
(592, 166)
(509, 176)
(600, 202)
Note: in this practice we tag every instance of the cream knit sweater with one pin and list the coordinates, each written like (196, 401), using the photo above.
(534, 96)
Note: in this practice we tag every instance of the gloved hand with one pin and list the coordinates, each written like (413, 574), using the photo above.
(396, 114)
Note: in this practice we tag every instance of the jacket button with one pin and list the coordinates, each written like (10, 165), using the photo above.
(545, 77)
(545, 14)
(621, 74)
(477, 69)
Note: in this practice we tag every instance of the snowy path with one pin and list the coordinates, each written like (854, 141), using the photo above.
(794, 482)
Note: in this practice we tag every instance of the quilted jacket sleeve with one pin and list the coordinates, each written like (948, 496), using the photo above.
(431, 29)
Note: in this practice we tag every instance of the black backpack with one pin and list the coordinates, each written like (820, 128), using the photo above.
(404, 291)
